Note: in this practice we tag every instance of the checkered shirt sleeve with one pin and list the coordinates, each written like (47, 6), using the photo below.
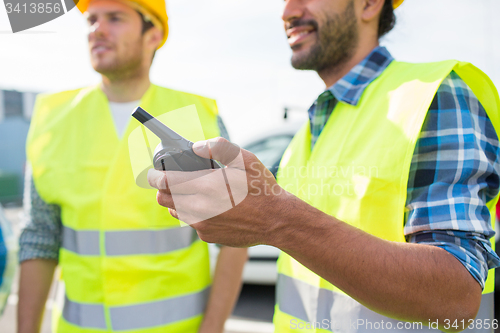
(41, 236)
(454, 172)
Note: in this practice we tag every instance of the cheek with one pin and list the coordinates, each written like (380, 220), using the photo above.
(321, 11)
(124, 35)
(133, 33)
(131, 44)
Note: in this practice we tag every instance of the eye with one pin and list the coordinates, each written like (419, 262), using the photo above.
(115, 18)
(91, 20)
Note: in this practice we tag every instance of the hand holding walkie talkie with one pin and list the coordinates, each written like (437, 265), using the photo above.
(174, 153)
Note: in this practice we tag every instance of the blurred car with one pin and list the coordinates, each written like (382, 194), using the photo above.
(8, 258)
(269, 148)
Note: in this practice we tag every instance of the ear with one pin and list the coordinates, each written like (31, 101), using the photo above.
(153, 37)
(371, 9)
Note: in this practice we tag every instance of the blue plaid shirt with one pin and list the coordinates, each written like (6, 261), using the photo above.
(454, 171)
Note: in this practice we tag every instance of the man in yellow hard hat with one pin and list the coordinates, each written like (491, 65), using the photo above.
(384, 199)
(126, 264)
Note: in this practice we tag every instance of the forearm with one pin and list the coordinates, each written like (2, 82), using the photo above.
(410, 282)
(225, 288)
(34, 285)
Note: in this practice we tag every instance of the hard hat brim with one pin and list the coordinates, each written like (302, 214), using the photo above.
(139, 5)
(396, 3)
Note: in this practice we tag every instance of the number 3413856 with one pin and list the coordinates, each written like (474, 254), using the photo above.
(33, 8)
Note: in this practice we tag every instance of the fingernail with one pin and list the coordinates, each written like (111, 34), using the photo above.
(153, 177)
(200, 145)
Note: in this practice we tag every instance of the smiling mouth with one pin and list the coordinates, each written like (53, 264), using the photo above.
(295, 37)
(100, 49)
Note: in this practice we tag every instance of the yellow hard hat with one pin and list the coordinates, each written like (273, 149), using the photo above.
(396, 3)
(152, 10)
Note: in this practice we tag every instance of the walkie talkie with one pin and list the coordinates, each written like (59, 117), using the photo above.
(174, 153)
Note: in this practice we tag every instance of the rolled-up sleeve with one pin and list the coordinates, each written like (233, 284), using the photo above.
(454, 174)
(42, 234)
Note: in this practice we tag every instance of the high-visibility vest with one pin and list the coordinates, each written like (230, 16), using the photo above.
(358, 172)
(126, 263)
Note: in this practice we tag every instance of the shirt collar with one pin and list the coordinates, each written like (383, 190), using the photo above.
(350, 88)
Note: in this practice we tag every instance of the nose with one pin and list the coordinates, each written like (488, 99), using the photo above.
(292, 11)
(94, 27)
(97, 29)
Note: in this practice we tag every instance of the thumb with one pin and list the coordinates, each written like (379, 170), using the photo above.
(217, 149)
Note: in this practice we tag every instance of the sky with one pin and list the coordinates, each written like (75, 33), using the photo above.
(236, 52)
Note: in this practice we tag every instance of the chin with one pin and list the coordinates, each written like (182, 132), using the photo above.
(103, 67)
(306, 58)
(301, 61)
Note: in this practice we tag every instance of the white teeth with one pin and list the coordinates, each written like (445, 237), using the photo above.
(100, 49)
(297, 35)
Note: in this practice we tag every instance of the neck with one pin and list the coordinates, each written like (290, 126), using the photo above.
(331, 75)
(125, 89)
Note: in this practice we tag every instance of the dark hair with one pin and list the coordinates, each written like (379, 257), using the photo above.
(387, 19)
(146, 24)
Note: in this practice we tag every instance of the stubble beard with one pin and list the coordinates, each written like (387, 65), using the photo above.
(337, 41)
(124, 66)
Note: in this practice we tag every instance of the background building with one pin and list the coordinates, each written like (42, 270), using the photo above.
(15, 114)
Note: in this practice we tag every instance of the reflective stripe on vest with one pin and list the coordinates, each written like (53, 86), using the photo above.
(84, 315)
(133, 242)
(82, 242)
(337, 312)
(139, 316)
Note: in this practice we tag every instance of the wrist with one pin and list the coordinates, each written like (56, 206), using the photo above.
(286, 212)
(295, 223)
(208, 326)
(28, 328)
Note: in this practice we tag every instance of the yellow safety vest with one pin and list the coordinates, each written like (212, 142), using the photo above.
(358, 172)
(126, 263)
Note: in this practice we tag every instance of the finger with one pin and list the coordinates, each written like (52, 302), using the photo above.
(166, 180)
(218, 149)
(173, 212)
(165, 199)
(186, 208)
(213, 185)
(157, 179)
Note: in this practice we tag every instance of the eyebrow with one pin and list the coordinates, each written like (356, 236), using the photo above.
(118, 12)
(115, 13)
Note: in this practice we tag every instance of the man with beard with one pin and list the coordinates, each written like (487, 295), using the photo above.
(126, 264)
(384, 198)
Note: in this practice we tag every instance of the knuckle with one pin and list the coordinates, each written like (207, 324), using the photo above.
(206, 238)
(163, 182)
(202, 236)
(220, 139)
(163, 199)
(202, 229)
